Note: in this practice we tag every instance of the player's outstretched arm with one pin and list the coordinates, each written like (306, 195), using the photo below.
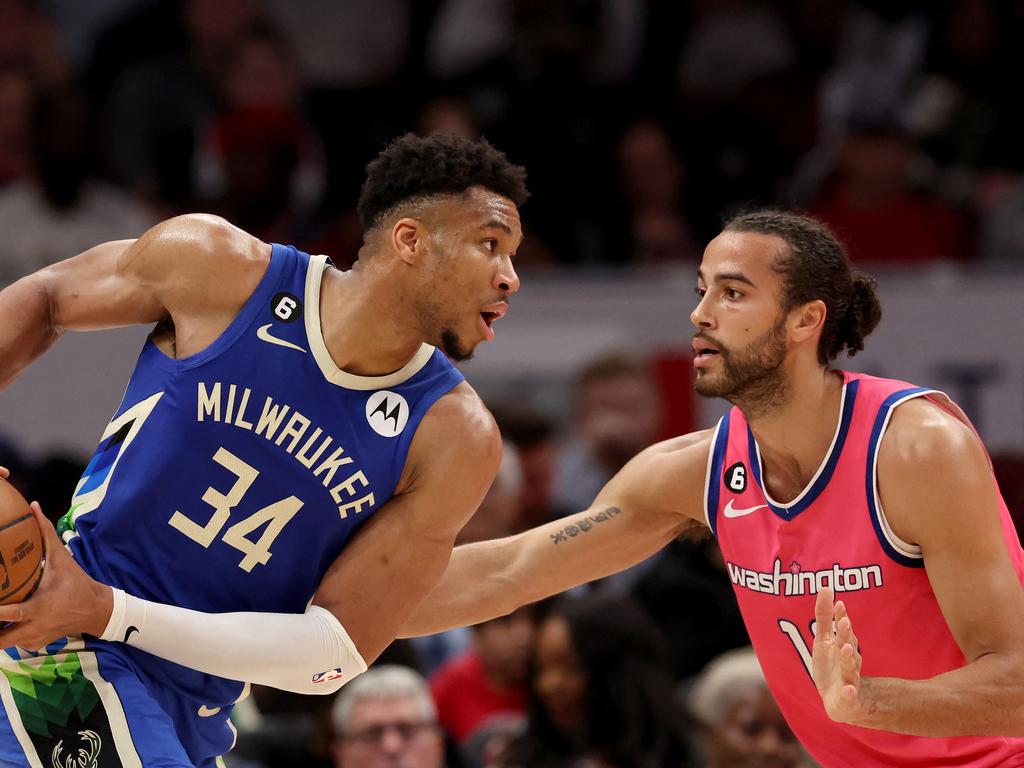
(653, 499)
(938, 491)
(182, 268)
(361, 603)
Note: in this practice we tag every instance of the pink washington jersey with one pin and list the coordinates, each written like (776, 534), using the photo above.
(834, 534)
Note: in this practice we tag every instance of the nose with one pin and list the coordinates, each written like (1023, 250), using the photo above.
(506, 280)
(769, 742)
(700, 316)
(391, 742)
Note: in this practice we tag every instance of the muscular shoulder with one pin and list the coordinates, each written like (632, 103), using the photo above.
(667, 477)
(928, 462)
(197, 262)
(458, 429)
(922, 437)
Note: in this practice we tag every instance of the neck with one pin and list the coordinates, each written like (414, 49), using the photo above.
(796, 433)
(366, 322)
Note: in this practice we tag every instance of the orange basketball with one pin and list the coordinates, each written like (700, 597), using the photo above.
(21, 547)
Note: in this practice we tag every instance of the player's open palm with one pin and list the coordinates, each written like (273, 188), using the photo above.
(835, 660)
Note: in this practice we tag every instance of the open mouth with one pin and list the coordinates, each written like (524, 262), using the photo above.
(489, 318)
(703, 351)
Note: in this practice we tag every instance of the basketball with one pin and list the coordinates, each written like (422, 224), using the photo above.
(21, 547)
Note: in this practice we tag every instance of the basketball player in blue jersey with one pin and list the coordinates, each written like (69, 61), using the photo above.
(294, 441)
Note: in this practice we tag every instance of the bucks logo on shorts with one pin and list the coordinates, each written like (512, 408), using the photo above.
(55, 708)
(85, 757)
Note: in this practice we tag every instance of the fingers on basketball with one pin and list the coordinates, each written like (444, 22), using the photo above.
(21, 547)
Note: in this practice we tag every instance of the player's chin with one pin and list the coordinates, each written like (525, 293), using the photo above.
(710, 385)
(455, 347)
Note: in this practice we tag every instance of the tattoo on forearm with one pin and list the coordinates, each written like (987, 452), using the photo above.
(583, 524)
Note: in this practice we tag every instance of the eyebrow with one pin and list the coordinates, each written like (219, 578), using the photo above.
(495, 224)
(721, 277)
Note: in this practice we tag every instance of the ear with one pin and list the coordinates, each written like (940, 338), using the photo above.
(808, 320)
(408, 239)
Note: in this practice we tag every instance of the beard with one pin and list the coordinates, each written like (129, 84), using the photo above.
(752, 377)
(451, 345)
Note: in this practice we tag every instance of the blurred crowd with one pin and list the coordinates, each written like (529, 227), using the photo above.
(642, 125)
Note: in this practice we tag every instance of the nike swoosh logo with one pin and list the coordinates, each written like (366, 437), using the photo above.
(128, 633)
(205, 711)
(731, 511)
(263, 334)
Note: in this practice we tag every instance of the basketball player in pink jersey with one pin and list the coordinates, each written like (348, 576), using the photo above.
(872, 556)
(871, 553)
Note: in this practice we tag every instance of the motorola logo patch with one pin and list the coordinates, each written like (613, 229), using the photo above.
(387, 413)
(286, 307)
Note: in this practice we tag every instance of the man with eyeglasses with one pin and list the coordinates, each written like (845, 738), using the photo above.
(386, 718)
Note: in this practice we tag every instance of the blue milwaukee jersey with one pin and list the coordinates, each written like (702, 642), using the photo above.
(231, 479)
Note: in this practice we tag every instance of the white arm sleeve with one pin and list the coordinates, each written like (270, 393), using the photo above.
(301, 652)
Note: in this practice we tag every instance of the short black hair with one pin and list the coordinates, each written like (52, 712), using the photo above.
(814, 266)
(412, 167)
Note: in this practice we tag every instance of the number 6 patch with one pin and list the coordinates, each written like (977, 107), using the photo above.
(736, 477)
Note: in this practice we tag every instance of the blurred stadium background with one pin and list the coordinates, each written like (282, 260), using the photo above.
(643, 124)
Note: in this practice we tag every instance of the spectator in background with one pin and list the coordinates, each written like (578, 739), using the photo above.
(533, 435)
(481, 695)
(386, 717)
(653, 180)
(65, 208)
(262, 163)
(871, 206)
(616, 413)
(17, 91)
(499, 515)
(159, 107)
(742, 723)
(1009, 472)
(600, 691)
(689, 596)
(30, 39)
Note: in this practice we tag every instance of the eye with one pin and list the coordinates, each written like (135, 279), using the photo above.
(700, 292)
(732, 294)
(491, 245)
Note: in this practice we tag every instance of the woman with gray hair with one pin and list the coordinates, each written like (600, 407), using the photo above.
(743, 726)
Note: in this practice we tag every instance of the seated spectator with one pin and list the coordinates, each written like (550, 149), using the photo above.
(600, 691)
(487, 684)
(1009, 471)
(873, 209)
(386, 717)
(742, 723)
(499, 514)
(16, 93)
(65, 208)
(533, 435)
(690, 598)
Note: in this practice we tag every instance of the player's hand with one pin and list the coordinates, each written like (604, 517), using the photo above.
(836, 661)
(67, 602)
